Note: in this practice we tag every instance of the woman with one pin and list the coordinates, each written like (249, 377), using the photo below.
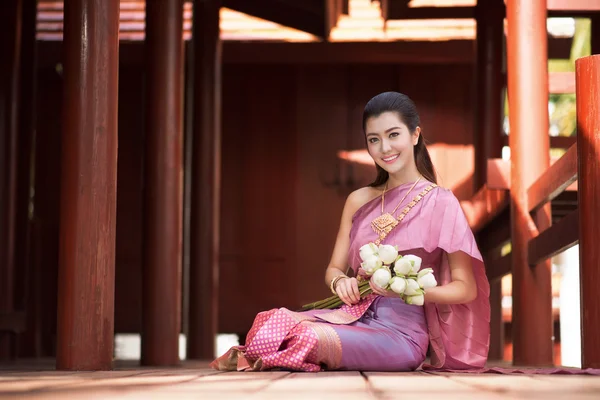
(403, 207)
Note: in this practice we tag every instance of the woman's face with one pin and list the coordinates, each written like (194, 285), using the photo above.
(389, 142)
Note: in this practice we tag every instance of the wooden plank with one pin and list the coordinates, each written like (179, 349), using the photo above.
(573, 5)
(498, 268)
(398, 52)
(588, 145)
(292, 14)
(498, 174)
(399, 10)
(556, 142)
(554, 240)
(561, 82)
(554, 180)
(483, 207)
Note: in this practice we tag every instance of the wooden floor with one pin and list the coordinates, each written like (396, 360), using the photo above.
(194, 380)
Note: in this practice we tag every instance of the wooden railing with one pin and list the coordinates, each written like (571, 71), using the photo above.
(487, 210)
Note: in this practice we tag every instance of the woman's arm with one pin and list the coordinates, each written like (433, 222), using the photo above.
(346, 288)
(462, 288)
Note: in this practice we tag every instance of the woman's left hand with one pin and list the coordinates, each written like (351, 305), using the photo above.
(379, 290)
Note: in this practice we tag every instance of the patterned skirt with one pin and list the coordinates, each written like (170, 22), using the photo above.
(377, 334)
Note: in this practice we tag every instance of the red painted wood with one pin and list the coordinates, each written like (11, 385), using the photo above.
(528, 104)
(206, 182)
(588, 149)
(163, 185)
(88, 186)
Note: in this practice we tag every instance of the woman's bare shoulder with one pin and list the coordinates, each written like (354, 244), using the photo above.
(360, 197)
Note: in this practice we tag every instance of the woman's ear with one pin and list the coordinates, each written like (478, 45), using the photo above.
(416, 135)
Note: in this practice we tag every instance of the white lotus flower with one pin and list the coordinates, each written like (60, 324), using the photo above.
(412, 287)
(417, 300)
(367, 251)
(371, 264)
(402, 267)
(382, 277)
(387, 253)
(415, 261)
(427, 281)
(398, 285)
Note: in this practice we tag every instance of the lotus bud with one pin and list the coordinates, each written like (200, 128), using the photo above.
(427, 281)
(387, 253)
(402, 267)
(382, 277)
(412, 287)
(415, 261)
(398, 285)
(417, 300)
(371, 264)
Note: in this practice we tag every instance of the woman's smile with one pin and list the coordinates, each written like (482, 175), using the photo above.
(390, 159)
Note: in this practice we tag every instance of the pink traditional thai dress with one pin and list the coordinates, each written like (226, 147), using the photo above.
(383, 333)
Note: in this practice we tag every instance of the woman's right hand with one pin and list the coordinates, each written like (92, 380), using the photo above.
(347, 290)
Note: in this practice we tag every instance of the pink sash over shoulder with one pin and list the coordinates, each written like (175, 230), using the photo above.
(459, 334)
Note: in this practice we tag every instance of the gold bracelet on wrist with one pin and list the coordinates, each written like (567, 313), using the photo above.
(334, 281)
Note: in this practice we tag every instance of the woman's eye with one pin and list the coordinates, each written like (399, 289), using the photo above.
(394, 134)
(373, 140)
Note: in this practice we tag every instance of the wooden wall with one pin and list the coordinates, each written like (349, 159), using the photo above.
(283, 186)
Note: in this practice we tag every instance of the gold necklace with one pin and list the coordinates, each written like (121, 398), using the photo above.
(386, 221)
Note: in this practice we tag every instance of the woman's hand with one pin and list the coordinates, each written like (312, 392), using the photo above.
(347, 290)
(379, 290)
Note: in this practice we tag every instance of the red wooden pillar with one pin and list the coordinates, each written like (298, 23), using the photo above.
(206, 181)
(489, 115)
(10, 44)
(163, 184)
(588, 152)
(86, 279)
(527, 58)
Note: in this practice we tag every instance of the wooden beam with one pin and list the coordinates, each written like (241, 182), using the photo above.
(554, 240)
(88, 206)
(489, 112)
(483, 207)
(569, 6)
(394, 9)
(553, 181)
(561, 82)
(498, 174)
(527, 67)
(556, 142)
(161, 307)
(499, 268)
(400, 52)
(588, 145)
(308, 17)
(206, 182)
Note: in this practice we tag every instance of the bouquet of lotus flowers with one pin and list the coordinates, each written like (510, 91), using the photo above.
(402, 274)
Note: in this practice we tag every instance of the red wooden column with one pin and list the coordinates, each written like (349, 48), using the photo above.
(588, 153)
(527, 59)
(206, 181)
(163, 185)
(86, 279)
(10, 44)
(489, 115)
